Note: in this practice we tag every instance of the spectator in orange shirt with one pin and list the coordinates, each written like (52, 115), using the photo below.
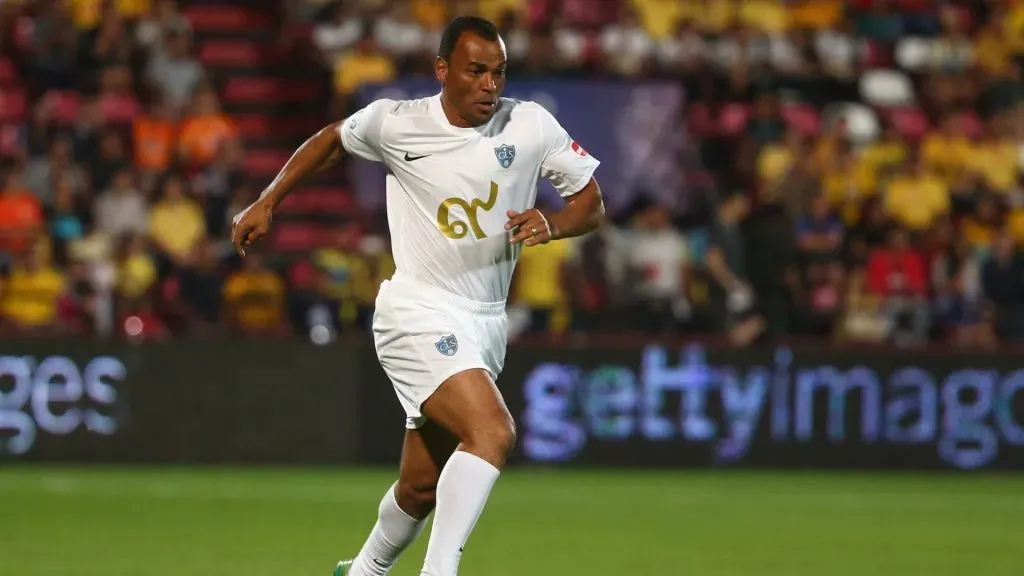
(206, 130)
(154, 139)
(21, 215)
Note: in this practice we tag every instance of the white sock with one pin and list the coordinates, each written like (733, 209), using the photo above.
(462, 491)
(391, 535)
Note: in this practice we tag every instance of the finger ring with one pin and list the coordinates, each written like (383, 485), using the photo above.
(533, 231)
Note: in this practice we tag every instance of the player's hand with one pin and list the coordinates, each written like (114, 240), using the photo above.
(530, 227)
(250, 225)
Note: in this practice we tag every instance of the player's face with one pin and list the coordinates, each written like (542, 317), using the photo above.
(474, 78)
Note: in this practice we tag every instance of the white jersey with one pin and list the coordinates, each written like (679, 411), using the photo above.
(449, 188)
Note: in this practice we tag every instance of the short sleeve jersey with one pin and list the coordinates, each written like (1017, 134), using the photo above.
(449, 188)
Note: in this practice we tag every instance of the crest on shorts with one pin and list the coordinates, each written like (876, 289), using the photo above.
(447, 345)
(505, 155)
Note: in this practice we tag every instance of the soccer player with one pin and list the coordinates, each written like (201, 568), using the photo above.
(462, 176)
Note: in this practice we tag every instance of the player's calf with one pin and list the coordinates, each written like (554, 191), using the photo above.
(424, 454)
(470, 407)
(417, 496)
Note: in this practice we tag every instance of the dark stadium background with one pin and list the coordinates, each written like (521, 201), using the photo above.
(848, 399)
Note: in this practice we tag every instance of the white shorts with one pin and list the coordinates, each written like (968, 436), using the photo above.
(423, 335)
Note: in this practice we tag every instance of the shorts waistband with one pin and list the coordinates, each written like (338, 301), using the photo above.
(434, 294)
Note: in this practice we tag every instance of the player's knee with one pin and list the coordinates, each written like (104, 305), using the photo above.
(417, 496)
(497, 437)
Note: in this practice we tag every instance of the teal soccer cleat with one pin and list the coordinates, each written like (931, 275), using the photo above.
(342, 568)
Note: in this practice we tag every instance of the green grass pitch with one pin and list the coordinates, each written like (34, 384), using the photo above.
(246, 522)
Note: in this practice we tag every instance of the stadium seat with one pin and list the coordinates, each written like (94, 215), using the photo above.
(10, 140)
(204, 16)
(300, 237)
(970, 122)
(319, 201)
(886, 88)
(8, 75)
(253, 125)
(230, 53)
(268, 90)
(119, 109)
(911, 122)
(302, 275)
(13, 105)
(65, 106)
(876, 54)
(733, 118)
(802, 117)
(699, 120)
(265, 162)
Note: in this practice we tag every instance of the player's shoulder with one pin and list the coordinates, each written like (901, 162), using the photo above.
(388, 107)
(516, 107)
(528, 114)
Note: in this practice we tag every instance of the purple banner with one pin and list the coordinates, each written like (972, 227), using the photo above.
(634, 129)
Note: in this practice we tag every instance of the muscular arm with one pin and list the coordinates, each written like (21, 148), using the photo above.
(582, 213)
(321, 151)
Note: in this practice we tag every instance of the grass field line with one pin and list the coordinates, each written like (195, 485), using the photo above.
(334, 490)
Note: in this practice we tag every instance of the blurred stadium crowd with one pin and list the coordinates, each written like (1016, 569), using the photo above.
(864, 160)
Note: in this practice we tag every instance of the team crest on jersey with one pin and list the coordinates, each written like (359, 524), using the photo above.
(505, 155)
(447, 345)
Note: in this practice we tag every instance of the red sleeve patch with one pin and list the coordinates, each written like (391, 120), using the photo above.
(578, 149)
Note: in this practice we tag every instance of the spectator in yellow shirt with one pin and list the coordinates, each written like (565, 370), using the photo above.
(992, 50)
(982, 227)
(495, 10)
(86, 13)
(136, 273)
(176, 222)
(843, 184)
(776, 158)
(540, 284)
(716, 16)
(255, 298)
(366, 64)
(1015, 225)
(348, 280)
(815, 14)
(878, 160)
(1013, 24)
(769, 16)
(431, 14)
(946, 152)
(32, 292)
(660, 18)
(916, 197)
(997, 160)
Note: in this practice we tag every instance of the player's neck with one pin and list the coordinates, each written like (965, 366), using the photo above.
(454, 118)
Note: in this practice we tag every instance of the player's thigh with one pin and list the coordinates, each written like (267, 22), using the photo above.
(469, 405)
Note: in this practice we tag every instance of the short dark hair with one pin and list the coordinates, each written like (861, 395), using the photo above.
(456, 28)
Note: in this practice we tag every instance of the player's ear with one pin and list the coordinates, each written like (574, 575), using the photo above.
(441, 69)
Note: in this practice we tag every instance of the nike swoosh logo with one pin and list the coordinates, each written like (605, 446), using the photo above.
(411, 158)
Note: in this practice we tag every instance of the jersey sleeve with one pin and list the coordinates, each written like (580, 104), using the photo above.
(565, 164)
(361, 133)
